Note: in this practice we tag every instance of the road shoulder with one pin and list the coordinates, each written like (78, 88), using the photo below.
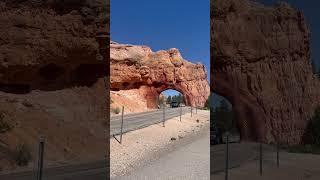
(142, 146)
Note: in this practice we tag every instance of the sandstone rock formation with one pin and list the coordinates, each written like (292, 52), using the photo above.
(51, 70)
(261, 63)
(49, 45)
(137, 67)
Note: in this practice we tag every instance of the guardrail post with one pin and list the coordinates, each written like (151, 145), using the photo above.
(278, 149)
(227, 157)
(121, 124)
(40, 160)
(196, 109)
(163, 121)
(191, 110)
(260, 159)
(180, 112)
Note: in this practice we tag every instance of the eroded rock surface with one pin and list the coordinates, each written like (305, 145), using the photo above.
(49, 45)
(137, 67)
(51, 71)
(261, 63)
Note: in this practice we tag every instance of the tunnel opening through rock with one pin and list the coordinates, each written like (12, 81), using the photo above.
(223, 116)
(171, 98)
(248, 122)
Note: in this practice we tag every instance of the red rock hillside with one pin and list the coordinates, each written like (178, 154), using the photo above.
(51, 71)
(137, 67)
(261, 63)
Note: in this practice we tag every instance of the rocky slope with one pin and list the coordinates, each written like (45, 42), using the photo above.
(137, 67)
(51, 72)
(49, 45)
(261, 63)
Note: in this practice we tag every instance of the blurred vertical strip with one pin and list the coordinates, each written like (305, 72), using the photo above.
(211, 79)
(103, 38)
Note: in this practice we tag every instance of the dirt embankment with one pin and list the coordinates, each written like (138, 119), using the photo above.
(51, 72)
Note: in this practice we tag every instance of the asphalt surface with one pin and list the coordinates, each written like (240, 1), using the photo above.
(89, 171)
(188, 162)
(136, 121)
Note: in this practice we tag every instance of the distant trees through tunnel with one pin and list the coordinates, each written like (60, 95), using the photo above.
(223, 117)
(171, 98)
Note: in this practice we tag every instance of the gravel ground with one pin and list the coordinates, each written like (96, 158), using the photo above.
(144, 145)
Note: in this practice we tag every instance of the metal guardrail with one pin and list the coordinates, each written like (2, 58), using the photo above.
(162, 120)
(121, 127)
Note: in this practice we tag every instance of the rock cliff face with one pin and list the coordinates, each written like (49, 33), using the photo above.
(261, 63)
(49, 45)
(51, 70)
(137, 67)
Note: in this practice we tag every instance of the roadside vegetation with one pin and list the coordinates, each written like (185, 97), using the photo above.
(311, 137)
(4, 125)
(22, 155)
(176, 98)
(163, 100)
(223, 117)
(116, 110)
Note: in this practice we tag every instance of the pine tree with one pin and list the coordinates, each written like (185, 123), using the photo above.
(169, 100)
(179, 98)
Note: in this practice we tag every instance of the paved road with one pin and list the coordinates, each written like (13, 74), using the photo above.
(188, 162)
(139, 120)
(90, 171)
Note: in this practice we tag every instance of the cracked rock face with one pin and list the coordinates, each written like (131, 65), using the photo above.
(49, 45)
(51, 79)
(137, 67)
(261, 63)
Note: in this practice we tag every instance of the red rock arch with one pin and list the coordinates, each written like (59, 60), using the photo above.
(260, 60)
(137, 67)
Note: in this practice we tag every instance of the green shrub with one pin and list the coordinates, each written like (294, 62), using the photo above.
(312, 132)
(308, 148)
(22, 155)
(116, 110)
(4, 126)
(311, 137)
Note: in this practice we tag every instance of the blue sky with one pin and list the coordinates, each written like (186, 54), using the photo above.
(165, 24)
(311, 11)
(170, 92)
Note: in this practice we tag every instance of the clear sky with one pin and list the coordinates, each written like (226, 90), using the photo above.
(165, 24)
(311, 10)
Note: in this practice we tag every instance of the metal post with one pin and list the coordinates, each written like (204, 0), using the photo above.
(227, 157)
(180, 112)
(278, 153)
(191, 110)
(40, 160)
(163, 121)
(121, 124)
(260, 158)
(196, 110)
